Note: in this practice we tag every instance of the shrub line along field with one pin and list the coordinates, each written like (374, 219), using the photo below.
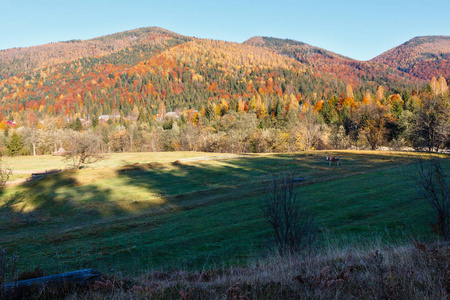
(156, 211)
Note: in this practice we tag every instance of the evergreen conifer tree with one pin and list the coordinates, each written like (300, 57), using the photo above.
(15, 145)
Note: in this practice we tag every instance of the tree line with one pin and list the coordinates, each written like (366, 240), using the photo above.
(420, 120)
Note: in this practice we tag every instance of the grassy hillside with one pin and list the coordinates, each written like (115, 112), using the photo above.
(176, 212)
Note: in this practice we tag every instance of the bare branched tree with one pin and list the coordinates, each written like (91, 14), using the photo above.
(294, 228)
(432, 185)
(309, 131)
(5, 174)
(84, 148)
(430, 127)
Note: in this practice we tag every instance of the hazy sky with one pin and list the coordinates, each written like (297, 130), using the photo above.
(358, 29)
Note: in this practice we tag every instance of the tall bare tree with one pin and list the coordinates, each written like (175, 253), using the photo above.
(83, 148)
(31, 137)
(309, 131)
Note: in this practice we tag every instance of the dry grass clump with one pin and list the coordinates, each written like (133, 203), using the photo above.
(405, 272)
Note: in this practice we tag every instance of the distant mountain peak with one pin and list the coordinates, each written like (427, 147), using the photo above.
(138, 32)
(421, 56)
(430, 38)
(264, 40)
(17, 60)
(255, 41)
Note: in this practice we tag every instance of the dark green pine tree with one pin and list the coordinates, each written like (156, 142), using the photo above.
(77, 126)
(95, 121)
(15, 145)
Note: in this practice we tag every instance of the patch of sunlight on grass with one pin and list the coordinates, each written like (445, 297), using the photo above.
(137, 205)
(30, 164)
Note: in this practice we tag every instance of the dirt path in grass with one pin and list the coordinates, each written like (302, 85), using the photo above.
(216, 157)
(16, 182)
(26, 172)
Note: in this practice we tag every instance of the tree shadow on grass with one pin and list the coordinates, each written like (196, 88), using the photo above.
(221, 194)
(225, 194)
(56, 196)
(193, 183)
(177, 184)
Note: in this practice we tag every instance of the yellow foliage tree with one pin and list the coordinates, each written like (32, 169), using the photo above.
(434, 86)
(293, 102)
(380, 94)
(241, 105)
(442, 86)
(349, 92)
(367, 97)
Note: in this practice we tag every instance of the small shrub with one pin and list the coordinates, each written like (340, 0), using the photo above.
(293, 227)
(431, 182)
(5, 174)
(8, 269)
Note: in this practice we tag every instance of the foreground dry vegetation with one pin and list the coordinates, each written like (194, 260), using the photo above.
(391, 273)
(416, 271)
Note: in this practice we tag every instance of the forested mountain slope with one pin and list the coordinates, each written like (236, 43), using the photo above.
(352, 71)
(170, 73)
(161, 71)
(424, 57)
(164, 71)
(17, 60)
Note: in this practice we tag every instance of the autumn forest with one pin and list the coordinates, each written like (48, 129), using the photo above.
(154, 90)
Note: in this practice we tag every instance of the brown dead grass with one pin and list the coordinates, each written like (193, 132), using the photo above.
(416, 271)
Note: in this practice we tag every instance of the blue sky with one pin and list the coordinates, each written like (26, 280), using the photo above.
(358, 29)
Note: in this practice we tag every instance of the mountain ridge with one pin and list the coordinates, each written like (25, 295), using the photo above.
(419, 58)
(260, 41)
(14, 61)
(423, 56)
(336, 65)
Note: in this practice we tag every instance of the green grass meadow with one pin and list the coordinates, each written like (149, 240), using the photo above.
(135, 212)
